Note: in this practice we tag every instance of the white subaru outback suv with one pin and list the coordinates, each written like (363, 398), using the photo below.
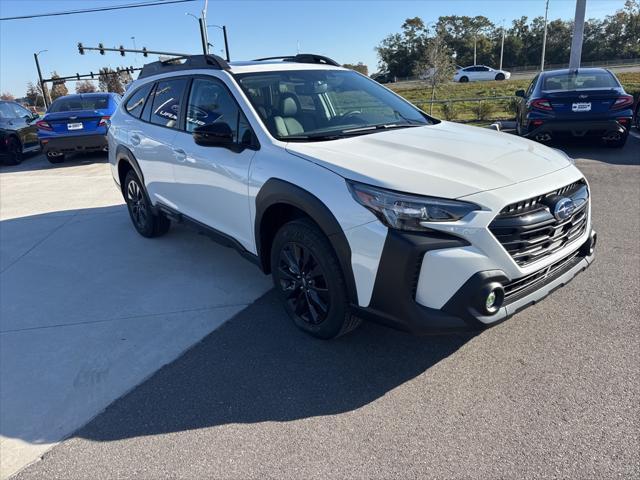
(359, 204)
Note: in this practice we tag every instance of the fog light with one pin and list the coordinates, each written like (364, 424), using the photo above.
(490, 299)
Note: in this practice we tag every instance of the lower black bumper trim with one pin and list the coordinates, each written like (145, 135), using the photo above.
(77, 143)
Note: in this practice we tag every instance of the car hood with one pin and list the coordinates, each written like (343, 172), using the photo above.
(443, 160)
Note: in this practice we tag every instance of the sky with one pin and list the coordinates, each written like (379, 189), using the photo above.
(347, 31)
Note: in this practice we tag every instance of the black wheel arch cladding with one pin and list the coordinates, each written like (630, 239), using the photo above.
(276, 191)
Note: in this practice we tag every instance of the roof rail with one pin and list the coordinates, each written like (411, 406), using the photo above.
(186, 62)
(303, 58)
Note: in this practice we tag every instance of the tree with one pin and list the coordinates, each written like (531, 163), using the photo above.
(34, 94)
(7, 96)
(109, 81)
(437, 66)
(59, 89)
(358, 67)
(399, 52)
(85, 86)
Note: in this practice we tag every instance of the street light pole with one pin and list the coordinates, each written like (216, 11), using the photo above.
(226, 42)
(42, 85)
(578, 33)
(544, 37)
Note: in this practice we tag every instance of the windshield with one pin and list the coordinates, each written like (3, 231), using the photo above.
(70, 104)
(307, 105)
(578, 81)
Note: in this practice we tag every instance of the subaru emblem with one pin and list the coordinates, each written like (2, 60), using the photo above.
(563, 208)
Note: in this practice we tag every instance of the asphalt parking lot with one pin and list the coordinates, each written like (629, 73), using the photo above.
(552, 393)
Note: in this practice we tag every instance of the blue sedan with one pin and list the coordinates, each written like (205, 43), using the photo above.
(580, 102)
(76, 123)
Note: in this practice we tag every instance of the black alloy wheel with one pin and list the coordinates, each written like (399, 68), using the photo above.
(14, 151)
(147, 223)
(304, 283)
(137, 205)
(309, 279)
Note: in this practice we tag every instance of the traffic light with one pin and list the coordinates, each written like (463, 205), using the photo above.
(77, 76)
(144, 52)
(121, 50)
(80, 48)
(101, 48)
(91, 73)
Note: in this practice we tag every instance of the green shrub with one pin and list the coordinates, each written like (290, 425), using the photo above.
(449, 110)
(483, 110)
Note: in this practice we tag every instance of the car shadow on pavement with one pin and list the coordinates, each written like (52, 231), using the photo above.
(259, 367)
(593, 149)
(37, 161)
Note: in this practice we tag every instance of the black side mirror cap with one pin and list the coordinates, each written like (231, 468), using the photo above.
(214, 135)
(520, 93)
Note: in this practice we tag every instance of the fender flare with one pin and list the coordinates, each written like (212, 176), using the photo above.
(123, 153)
(276, 191)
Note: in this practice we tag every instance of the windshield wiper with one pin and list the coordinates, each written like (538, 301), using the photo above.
(382, 126)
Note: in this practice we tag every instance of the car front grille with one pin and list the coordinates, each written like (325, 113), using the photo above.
(521, 287)
(528, 230)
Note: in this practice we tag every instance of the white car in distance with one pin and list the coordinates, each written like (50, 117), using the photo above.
(478, 73)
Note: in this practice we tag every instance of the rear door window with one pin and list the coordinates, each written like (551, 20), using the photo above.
(135, 103)
(167, 101)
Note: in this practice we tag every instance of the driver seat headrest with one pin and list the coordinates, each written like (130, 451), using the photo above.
(289, 105)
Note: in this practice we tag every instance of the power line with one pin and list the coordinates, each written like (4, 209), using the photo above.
(98, 9)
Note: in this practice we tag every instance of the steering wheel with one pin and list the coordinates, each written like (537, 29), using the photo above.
(352, 116)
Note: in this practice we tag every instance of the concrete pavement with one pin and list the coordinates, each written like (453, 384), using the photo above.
(88, 308)
(552, 393)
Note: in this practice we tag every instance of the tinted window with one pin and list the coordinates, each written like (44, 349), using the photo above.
(581, 80)
(135, 103)
(167, 99)
(6, 111)
(210, 102)
(20, 111)
(77, 102)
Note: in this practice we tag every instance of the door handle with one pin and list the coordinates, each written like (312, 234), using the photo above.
(135, 139)
(180, 154)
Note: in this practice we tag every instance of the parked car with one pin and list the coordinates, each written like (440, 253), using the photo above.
(580, 102)
(358, 203)
(383, 77)
(637, 114)
(18, 132)
(478, 73)
(76, 123)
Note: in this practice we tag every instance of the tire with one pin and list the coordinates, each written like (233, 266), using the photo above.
(56, 159)
(464, 79)
(518, 126)
(310, 282)
(144, 220)
(617, 143)
(14, 151)
(500, 76)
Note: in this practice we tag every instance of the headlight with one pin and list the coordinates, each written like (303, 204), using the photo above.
(405, 211)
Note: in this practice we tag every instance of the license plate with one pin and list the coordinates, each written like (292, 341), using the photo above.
(581, 107)
(74, 126)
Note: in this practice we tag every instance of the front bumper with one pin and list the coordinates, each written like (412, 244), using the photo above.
(393, 301)
(76, 143)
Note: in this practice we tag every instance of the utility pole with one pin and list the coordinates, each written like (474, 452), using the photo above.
(578, 34)
(226, 43)
(502, 46)
(203, 27)
(42, 85)
(203, 36)
(475, 42)
(544, 36)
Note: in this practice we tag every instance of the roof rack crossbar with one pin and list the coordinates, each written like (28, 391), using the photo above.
(303, 58)
(190, 62)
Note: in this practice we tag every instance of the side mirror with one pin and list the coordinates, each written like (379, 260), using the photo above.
(520, 93)
(214, 135)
